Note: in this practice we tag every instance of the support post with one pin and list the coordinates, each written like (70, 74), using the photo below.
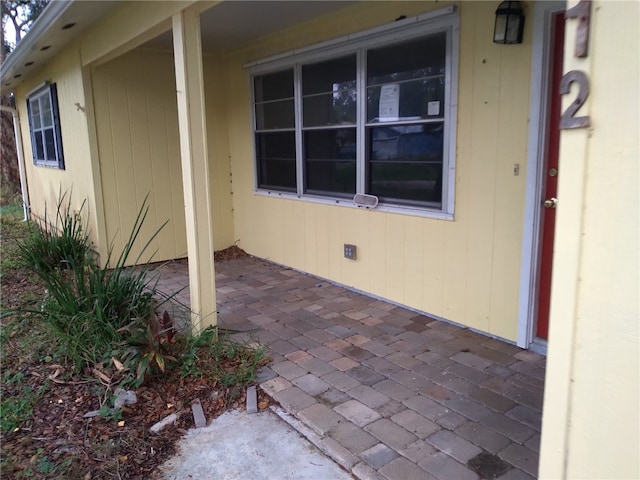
(195, 169)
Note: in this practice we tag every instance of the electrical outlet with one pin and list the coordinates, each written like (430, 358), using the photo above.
(350, 251)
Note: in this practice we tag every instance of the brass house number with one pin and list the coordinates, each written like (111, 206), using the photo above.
(581, 11)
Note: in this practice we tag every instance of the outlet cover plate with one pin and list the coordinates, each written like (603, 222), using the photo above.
(350, 251)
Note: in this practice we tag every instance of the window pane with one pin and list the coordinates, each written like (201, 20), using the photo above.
(419, 99)
(405, 162)
(276, 154)
(415, 143)
(329, 76)
(47, 115)
(330, 160)
(413, 182)
(330, 144)
(39, 153)
(337, 108)
(406, 61)
(273, 86)
(50, 144)
(331, 176)
(35, 113)
(275, 115)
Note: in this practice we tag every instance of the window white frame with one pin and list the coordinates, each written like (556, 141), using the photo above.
(442, 20)
(43, 123)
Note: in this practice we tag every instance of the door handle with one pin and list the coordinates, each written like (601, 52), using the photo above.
(550, 202)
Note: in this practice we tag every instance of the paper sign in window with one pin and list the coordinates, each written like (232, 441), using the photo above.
(389, 102)
(433, 108)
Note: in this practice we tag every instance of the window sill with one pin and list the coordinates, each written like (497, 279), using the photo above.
(53, 165)
(348, 202)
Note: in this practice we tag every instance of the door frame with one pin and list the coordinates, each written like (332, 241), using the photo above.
(532, 229)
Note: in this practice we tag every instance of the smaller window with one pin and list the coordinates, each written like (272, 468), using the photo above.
(44, 124)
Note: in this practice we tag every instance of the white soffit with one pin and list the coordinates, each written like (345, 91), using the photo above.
(59, 24)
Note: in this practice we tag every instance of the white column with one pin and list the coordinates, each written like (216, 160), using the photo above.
(195, 169)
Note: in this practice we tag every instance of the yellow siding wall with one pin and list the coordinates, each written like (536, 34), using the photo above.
(45, 183)
(218, 146)
(591, 424)
(466, 270)
(137, 130)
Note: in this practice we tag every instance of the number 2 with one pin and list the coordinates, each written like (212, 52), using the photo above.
(568, 118)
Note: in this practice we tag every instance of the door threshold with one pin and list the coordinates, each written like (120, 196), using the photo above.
(539, 346)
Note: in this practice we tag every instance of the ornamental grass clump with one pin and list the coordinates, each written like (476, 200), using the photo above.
(87, 305)
(58, 242)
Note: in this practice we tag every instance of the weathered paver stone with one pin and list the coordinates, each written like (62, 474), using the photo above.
(356, 412)
(198, 414)
(275, 385)
(484, 437)
(512, 429)
(403, 469)
(417, 450)
(341, 381)
(320, 418)
(516, 474)
(468, 408)
(521, 457)
(426, 407)
(367, 395)
(288, 369)
(453, 445)
(391, 433)
(352, 437)
(492, 400)
(362, 471)
(526, 415)
(415, 423)
(311, 384)
(394, 390)
(294, 399)
(444, 467)
(252, 400)
(378, 455)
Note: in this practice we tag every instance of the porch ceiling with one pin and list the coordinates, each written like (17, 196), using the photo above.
(227, 25)
(231, 24)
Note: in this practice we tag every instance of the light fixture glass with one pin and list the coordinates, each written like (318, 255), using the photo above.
(509, 24)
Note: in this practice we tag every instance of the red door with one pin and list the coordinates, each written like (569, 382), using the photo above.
(550, 182)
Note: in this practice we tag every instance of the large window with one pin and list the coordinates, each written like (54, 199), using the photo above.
(44, 124)
(374, 117)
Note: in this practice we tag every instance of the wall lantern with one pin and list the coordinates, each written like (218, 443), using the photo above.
(509, 23)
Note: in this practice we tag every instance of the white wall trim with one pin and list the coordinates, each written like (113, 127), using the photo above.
(538, 111)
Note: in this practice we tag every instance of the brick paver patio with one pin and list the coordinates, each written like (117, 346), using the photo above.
(386, 392)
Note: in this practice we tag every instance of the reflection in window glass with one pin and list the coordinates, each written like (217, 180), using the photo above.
(331, 76)
(405, 162)
(276, 152)
(330, 109)
(411, 60)
(330, 160)
(274, 86)
(275, 115)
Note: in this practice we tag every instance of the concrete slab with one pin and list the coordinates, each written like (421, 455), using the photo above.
(241, 446)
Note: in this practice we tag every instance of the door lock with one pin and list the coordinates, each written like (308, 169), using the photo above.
(550, 202)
